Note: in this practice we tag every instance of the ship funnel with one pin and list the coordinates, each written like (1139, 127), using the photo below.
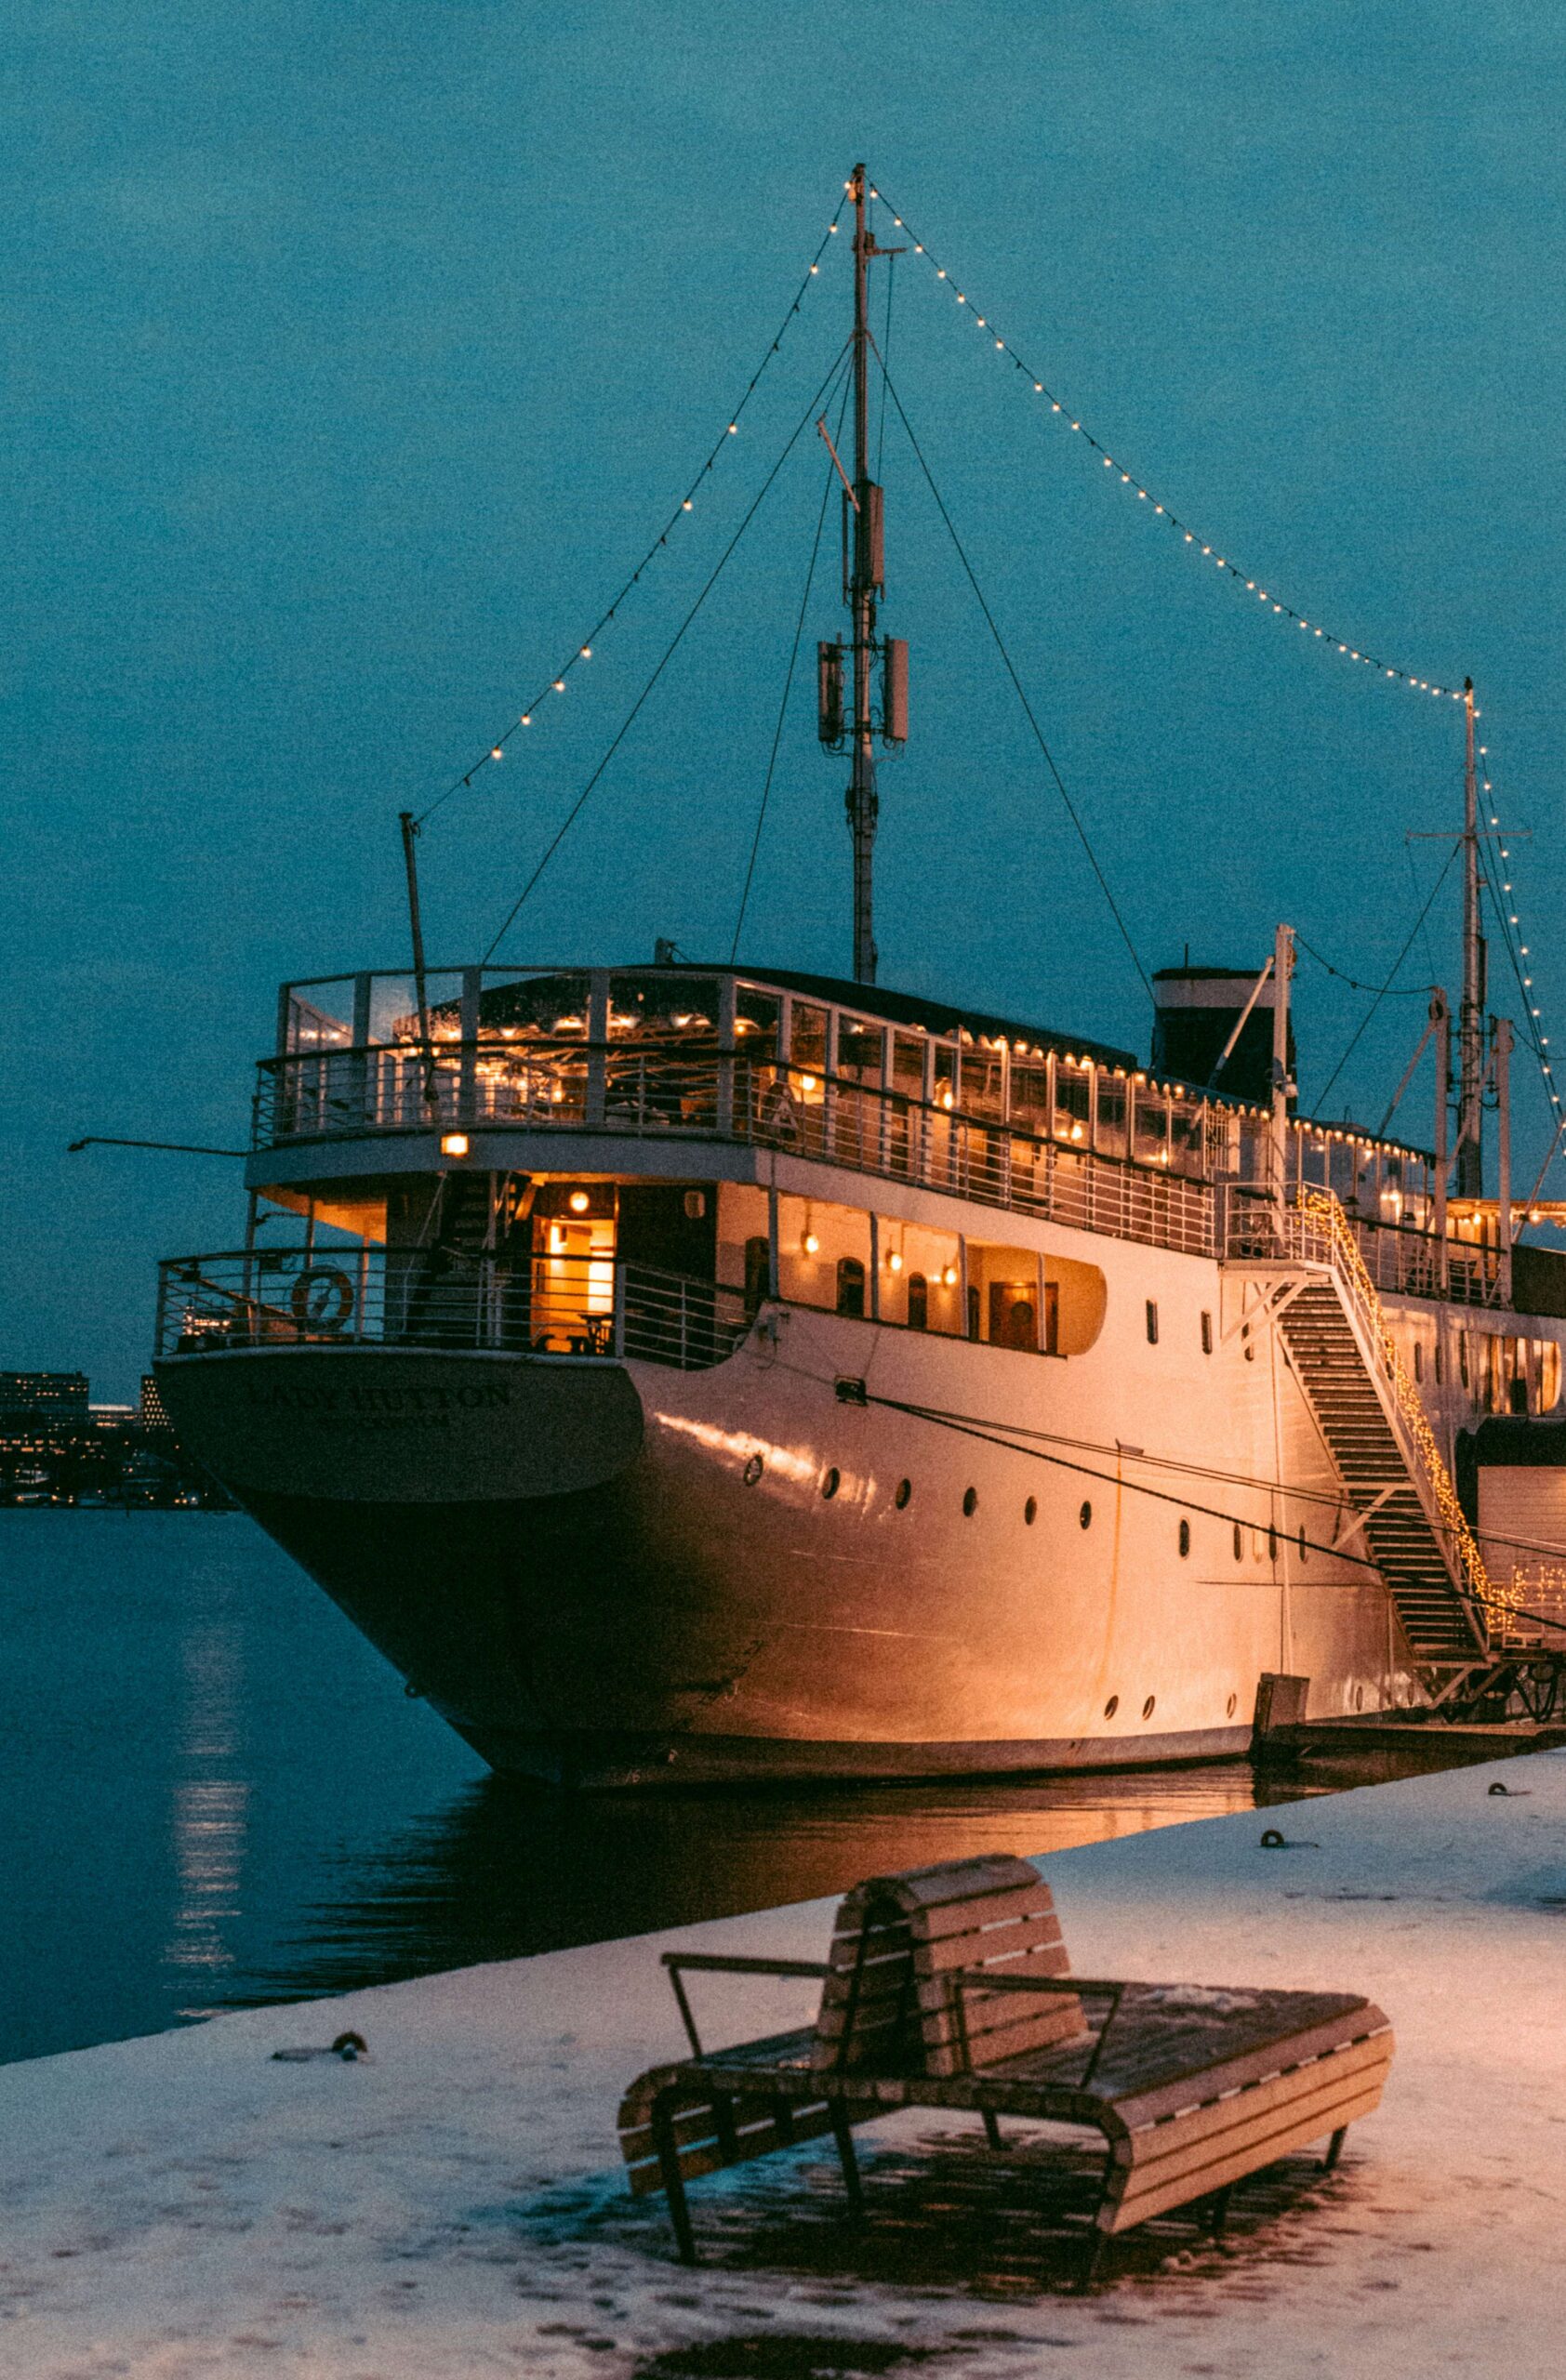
(1196, 1009)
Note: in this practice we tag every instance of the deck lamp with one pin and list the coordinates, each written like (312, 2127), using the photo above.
(578, 1202)
(454, 1143)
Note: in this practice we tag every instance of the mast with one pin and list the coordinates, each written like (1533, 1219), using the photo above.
(864, 580)
(1471, 1014)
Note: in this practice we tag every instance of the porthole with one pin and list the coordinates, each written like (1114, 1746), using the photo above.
(1031, 1511)
(1229, 1706)
(1184, 1538)
(753, 1470)
(905, 1490)
(1086, 1516)
(970, 1503)
(831, 1481)
(1239, 1543)
(1147, 1706)
(1112, 1705)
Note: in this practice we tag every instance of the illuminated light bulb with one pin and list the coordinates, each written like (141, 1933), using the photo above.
(896, 1261)
(578, 1202)
(1250, 582)
(686, 506)
(810, 1244)
(815, 268)
(454, 1143)
(949, 1277)
(961, 299)
(1158, 507)
(1354, 656)
(1189, 539)
(946, 1100)
(899, 221)
(918, 247)
(1523, 947)
(587, 653)
(734, 430)
(560, 685)
(527, 719)
(940, 272)
(1109, 463)
(1000, 342)
(496, 752)
(1319, 631)
(1206, 549)
(1143, 494)
(1278, 607)
(1076, 425)
(980, 319)
(807, 1082)
(1125, 479)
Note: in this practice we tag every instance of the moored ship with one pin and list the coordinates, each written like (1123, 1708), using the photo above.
(711, 1373)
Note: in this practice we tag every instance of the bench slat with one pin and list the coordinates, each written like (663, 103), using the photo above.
(1222, 2158)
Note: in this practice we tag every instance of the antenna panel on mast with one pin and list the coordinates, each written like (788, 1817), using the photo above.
(894, 690)
(829, 693)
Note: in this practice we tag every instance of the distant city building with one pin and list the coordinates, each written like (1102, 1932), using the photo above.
(46, 1397)
(113, 1417)
(153, 1415)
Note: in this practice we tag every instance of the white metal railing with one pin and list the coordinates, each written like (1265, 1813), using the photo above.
(1315, 1230)
(543, 1306)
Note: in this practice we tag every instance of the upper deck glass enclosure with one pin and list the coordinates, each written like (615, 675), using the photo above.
(958, 1100)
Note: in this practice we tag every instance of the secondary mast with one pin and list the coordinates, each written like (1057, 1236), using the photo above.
(1471, 1014)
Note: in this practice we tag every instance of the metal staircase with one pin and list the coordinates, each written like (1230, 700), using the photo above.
(1316, 1288)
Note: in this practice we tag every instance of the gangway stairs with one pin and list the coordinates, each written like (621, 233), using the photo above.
(1315, 1286)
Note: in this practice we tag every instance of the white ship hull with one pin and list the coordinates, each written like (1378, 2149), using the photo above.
(610, 1573)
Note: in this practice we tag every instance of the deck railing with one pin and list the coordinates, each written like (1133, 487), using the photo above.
(420, 1298)
(1178, 1203)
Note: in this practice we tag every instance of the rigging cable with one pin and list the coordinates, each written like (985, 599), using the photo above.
(787, 686)
(670, 649)
(1383, 991)
(583, 651)
(1133, 481)
(1016, 682)
(1320, 1100)
(988, 1434)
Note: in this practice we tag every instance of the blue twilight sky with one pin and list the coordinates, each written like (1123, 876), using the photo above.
(351, 351)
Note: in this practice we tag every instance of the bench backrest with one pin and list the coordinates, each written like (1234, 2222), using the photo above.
(890, 2004)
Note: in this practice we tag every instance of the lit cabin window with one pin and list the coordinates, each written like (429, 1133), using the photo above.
(918, 1302)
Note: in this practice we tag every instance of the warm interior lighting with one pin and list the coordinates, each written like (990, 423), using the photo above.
(810, 1243)
(454, 1143)
(807, 1082)
(896, 1260)
(949, 1277)
(578, 1202)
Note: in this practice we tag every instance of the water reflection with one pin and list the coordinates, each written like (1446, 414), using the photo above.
(506, 1870)
(209, 1807)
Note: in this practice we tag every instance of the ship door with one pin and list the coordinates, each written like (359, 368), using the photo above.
(1014, 1315)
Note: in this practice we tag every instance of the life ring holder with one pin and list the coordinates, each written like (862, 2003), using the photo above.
(335, 1283)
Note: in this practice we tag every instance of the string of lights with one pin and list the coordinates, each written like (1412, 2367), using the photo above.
(1520, 954)
(1203, 549)
(583, 650)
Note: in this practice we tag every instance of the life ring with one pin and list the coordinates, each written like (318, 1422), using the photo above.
(322, 1299)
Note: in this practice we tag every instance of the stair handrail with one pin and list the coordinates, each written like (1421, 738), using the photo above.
(1322, 1208)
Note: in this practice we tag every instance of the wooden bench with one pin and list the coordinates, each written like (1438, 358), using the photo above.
(950, 1987)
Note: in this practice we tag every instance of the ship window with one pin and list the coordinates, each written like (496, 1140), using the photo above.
(1239, 1543)
(1112, 1705)
(1206, 1334)
(1153, 1322)
(1229, 1706)
(970, 1503)
(1031, 1511)
(905, 1490)
(1550, 1376)
(1084, 1517)
(1418, 1361)
(1149, 1705)
(850, 1286)
(1440, 1366)
(1272, 1544)
(831, 1481)
(758, 1272)
(1303, 1555)
(1184, 1538)
(918, 1302)
(973, 1311)
(1109, 1134)
(1073, 1102)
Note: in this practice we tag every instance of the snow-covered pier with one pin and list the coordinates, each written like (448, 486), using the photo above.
(186, 2205)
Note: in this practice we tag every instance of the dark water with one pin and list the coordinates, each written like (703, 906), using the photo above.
(213, 1791)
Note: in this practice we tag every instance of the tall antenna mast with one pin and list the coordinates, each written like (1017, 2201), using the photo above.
(1471, 1014)
(865, 579)
(863, 582)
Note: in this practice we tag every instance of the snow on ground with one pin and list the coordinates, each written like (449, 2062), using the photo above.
(453, 2205)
